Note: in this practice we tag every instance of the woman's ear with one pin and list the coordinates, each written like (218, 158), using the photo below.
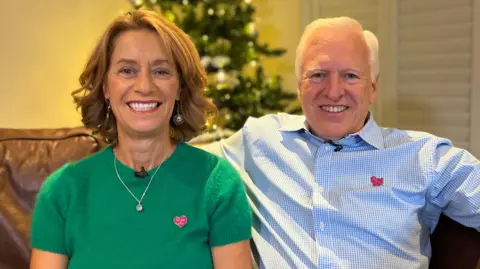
(178, 94)
(105, 91)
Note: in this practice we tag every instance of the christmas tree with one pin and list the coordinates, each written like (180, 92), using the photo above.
(224, 32)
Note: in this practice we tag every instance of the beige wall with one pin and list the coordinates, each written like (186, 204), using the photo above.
(280, 27)
(45, 44)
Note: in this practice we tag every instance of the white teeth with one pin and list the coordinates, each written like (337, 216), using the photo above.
(334, 109)
(143, 106)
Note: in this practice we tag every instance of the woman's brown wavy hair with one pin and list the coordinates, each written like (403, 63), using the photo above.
(194, 106)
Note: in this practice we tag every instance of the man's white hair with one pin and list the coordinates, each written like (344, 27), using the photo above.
(339, 23)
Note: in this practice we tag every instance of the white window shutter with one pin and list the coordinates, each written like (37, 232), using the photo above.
(435, 67)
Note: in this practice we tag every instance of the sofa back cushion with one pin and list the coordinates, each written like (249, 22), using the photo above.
(27, 157)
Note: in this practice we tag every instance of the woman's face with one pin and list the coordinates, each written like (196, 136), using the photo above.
(142, 83)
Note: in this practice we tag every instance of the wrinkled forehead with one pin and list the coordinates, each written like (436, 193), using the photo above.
(342, 48)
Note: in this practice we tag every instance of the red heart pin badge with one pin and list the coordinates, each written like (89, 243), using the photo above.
(376, 181)
(180, 221)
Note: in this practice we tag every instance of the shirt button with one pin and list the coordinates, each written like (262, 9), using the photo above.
(327, 147)
(322, 226)
(321, 189)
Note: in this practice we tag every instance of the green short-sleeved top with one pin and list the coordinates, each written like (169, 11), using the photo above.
(83, 211)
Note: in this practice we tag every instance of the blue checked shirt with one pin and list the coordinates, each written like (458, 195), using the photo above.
(372, 204)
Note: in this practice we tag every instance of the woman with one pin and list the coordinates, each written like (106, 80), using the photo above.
(148, 200)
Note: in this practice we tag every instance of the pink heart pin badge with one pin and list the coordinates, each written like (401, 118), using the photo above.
(180, 221)
(376, 181)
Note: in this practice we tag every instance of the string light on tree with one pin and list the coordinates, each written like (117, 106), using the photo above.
(221, 61)
(221, 77)
(205, 61)
(251, 29)
(169, 15)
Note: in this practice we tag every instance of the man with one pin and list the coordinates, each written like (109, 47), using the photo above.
(331, 189)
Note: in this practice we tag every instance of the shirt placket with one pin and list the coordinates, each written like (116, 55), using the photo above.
(321, 206)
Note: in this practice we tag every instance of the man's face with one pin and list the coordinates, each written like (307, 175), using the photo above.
(336, 88)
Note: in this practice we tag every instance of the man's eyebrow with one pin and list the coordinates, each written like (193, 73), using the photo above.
(355, 70)
(315, 68)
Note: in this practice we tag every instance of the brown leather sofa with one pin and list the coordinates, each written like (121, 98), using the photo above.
(28, 156)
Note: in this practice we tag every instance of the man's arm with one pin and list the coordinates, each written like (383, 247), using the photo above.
(456, 185)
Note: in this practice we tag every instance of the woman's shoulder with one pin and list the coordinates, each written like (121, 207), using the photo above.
(206, 163)
(196, 155)
(216, 166)
(92, 160)
(72, 172)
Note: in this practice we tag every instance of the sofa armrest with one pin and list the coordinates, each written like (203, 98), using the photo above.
(454, 246)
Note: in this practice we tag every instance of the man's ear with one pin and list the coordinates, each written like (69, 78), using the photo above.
(373, 94)
(299, 88)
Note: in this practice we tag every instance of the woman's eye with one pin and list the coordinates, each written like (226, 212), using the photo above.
(160, 72)
(127, 71)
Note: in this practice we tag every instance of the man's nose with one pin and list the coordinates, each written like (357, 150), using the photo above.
(335, 90)
(144, 83)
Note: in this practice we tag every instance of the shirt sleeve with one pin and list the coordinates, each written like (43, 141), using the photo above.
(48, 218)
(456, 185)
(231, 217)
(231, 149)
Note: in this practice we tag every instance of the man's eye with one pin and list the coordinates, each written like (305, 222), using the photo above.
(318, 75)
(351, 76)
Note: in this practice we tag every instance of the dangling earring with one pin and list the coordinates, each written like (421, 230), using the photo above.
(178, 117)
(107, 116)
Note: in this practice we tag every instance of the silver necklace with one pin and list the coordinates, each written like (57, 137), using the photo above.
(139, 206)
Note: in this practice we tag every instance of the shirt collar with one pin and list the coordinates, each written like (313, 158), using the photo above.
(294, 123)
(370, 133)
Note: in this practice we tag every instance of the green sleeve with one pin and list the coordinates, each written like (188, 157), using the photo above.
(48, 219)
(231, 218)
